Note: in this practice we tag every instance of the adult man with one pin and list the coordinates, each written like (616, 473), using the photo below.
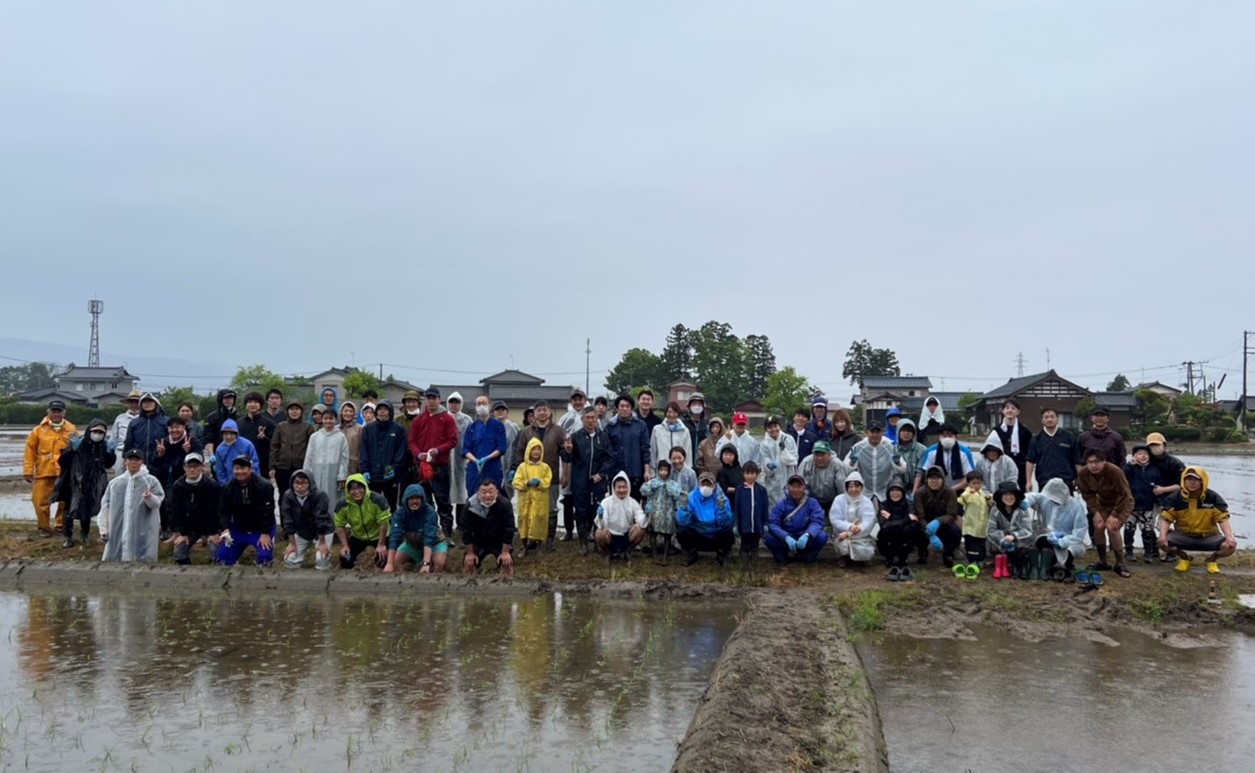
(230, 447)
(213, 422)
(257, 428)
(588, 457)
(288, 446)
(645, 410)
(551, 438)
(433, 435)
(1196, 518)
(876, 460)
(130, 523)
(1100, 437)
(382, 453)
(954, 458)
(274, 408)
(695, 419)
(819, 425)
(570, 423)
(41, 464)
(306, 515)
(117, 430)
(146, 429)
(501, 412)
(457, 462)
(246, 515)
(172, 451)
(573, 418)
(361, 520)
(824, 475)
(411, 407)
(704, 522)
(1016, 438)
(488, 530)
(1053, 453)
(739, 436)
(1110, 502)
(802, 434)
(912, 453)
(603, 411)
(192, 509)
(630, 437)
(778, 457)
(483, 446)
(795, 526)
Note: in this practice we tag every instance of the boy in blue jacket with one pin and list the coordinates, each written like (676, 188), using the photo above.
(750, 510)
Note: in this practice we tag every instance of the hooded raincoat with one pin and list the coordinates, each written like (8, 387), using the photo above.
(333, 406)
(666, 436)
(891, 430)
(1015, 521)
(383, 447)
(131, 521)
(211, 435)
(85, 474)
(416, 528)
(878, 465)
(308, 519)
(1198, 515)
(457, 464)
(630, 438)
(481, 439)
(533, 500)
(225, 453)
(778, 460)
(662, 499)
(1000, 471)
(706, 515)
(912, 454)
(146, 429)
(1064, 517)
(846, 512)
(619, 514)
(363, 520)
(707, 450)
(327, 459)
(353, 435)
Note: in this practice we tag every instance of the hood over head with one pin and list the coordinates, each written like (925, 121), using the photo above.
(158, 411)
(392, 414)
(309, 476)
(1192, 470)
(411, 491)
(729, 448)
(934, 472)
(905, 424)
(710, 425)
(527, 452)
(924, 415)
(893, 412)
(993, 442)
(96, 423)
(1056, 491)
(356, 477)
(230, 426)
(623, 476)
(853, 477)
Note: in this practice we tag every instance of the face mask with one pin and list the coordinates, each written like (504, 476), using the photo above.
(707, 490)
(481, 411)
(947, 443)
(97, 436)
(413, 411)
(696, 410)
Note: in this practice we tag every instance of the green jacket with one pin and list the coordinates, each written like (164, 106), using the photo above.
(362, 520)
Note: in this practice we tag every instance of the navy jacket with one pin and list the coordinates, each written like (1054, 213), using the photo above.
(806, 440)
(143, 433)
(631, 444)
(1142, 482)
(749, 508)
(383, 445)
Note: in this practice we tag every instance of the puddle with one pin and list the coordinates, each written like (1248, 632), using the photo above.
(121, 681)
(998, 702)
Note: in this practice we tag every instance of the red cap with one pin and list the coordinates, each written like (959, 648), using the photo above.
(740, 418)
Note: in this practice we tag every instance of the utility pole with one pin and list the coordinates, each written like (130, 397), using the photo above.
(381, 371)
(1019, 365)
(1047, 359)
(1246, 353)
(588, 353)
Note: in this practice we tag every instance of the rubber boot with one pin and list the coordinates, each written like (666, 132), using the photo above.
(553, 532)
(1150, 546)
(1129, 534)
(1039, 564)
(1000, 566)
(583, 542)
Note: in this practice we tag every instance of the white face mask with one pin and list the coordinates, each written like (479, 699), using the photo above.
(97, 436)
(696, 410)
(707, 490)
(947, 443)
(481, 411)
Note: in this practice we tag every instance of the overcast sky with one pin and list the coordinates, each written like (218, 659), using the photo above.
(464, 185)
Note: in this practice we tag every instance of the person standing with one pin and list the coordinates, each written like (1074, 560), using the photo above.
(551, 437)
(274, 407)
(432, 439)
(130, 520)
(257, 428)
(41, 464)
(288, 446)
(117, 430)
(952, 457)
(147, 429)
(457, 462)
(746, 445)
(411, 407)
(695, 419)
(931, 419)
(84, 475)
(630, 437)
(843, 435)
(588, 457)
(1053, 453)
(645, 410)
(570, 423)
(326, 458)
(1101, 437)
(912, 453)
(213, 422)
(231, 445)
(352, 434)
(824, 474)
(1016, 439)
(877, 462)
(501, 412)
(801, 433)
(671, 432)
(819, 425)
(483, 446)
(384, 454)
(778, 458)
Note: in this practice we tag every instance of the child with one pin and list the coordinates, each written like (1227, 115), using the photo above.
(1010, 532)
(620, 522)
(663, 496)
(730, 476)
(1143, 478)
(996, 467)
(532, 480)
(680, 473)
(750, 510)
(853, 519)
(975, 503)
(899, 532)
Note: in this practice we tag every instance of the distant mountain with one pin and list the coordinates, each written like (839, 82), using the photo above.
(155, 372)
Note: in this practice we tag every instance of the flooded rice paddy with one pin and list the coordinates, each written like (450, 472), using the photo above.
(119, 681)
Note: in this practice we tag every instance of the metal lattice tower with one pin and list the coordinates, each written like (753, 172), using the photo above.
(93, 351)
(1020, 362)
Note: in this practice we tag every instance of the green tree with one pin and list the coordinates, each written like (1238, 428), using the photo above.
(787, 390)
(1119, 384)
(27, 376)
(172, 396)
(259, 378)
(677, 355)
(359, 382)
(1152, 407)
(723, 365)
(1084, 409)
(863, 359)
(638, 368)
(962, 418)
(762, 364)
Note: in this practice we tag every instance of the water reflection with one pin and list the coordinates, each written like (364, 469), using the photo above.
(115, 680)
(1066, 704)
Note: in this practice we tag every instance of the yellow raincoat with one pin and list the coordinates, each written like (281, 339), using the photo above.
(533, 503)
(42, 462)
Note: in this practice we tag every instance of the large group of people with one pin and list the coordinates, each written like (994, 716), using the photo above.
(621, 478)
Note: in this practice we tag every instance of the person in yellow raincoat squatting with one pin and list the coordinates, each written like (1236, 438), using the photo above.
(532, 480)
(41, 463)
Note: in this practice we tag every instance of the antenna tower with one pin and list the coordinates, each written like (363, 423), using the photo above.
(93, 351)
(1019, 365)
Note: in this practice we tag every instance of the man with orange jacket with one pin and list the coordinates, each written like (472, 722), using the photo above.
(41, 463)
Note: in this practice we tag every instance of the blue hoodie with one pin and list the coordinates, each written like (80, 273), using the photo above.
(891, 431)
(408, 525)
(335, 404)
(224, 454)
(705, 515)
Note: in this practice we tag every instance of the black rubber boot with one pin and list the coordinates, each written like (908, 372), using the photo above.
(1130, 533)
(1150, 547)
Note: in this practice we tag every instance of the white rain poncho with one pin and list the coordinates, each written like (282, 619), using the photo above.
(999, 472)
(782, 453)
(846, 511)
(131, 522)
(877, 464)
(457, 462)
(327, 459)
(1065, 517)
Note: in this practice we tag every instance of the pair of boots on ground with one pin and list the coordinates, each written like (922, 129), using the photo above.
(1150, 545)
(1026, 565)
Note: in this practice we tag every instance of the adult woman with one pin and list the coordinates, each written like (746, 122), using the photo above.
(187, 412)
(843, 435)
(352, 434)
(669, 434)
(708, 450)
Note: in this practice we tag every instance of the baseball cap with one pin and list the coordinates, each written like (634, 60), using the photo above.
(740, 418)
(822, 447)
(1156, 438)
(193, 458)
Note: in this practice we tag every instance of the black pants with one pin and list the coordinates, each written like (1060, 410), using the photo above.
(356, 546)
(568, 513)
(749, 543)
(584, 504)
(388, 488)
(85, 518)
(283, 481)
(183, 553)
(696, 542)
(975, 548)
(437, 490)
(949, 534)
(896, 541)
